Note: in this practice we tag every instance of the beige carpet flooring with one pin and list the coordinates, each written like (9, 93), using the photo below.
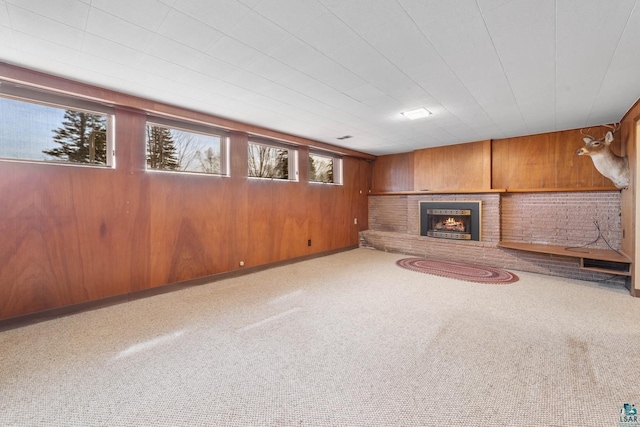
(344, 340)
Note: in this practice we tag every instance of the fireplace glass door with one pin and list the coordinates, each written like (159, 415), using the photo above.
(449, 223)
(450, 220)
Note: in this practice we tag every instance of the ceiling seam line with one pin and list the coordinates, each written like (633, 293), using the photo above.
(484, 22)
(449, 67)
(624, 28)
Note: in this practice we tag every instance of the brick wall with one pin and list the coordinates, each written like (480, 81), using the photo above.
(562, 218)
(388, 213)
(552, 218)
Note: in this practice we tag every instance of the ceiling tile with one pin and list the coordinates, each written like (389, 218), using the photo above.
(148, 14)
(515, 28)
(583, 45)
(364, 15)
(323, 68)
(4, 14)
(68, 12)
(160, 67)
(220, 14)
(104, 67)
(614, 98)
(332, 74)
(57, 60)
(270, 68)
(172, 51)
(35, 25)
(327, 34)
(295, 53)
(213, 67)
(290, 14)
(106, 49)
(258, 32)
(234, 52)
(189, 31)
(118, 30)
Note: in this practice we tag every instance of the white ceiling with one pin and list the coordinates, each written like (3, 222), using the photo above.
(322, 69)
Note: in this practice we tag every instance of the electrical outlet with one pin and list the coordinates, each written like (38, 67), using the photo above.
(355, 220)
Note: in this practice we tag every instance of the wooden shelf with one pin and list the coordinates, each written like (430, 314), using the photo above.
(560, 190)
(495, 190)
(591, 255)
(413, 193)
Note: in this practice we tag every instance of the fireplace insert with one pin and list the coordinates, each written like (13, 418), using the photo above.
(451, 220)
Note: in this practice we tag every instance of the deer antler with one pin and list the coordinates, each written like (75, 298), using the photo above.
(588, 135)
(614, 128)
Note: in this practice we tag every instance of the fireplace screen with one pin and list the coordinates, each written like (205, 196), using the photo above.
(450, 220)
(449, 223)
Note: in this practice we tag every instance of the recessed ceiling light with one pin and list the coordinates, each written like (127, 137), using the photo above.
(418, 113)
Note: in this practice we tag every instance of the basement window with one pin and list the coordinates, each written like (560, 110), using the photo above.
(43, 126)
(177, 146)
(272, 160)
(325, 168)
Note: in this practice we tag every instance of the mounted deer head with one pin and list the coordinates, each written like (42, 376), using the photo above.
(609, 164)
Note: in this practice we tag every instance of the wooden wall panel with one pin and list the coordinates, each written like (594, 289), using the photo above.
(453, 167)
(393, 173)
(361, 202)
(545, 161)
(75, 234)
(630, 140)
(189, 219)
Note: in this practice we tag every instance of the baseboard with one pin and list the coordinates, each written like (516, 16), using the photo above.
(55, 313)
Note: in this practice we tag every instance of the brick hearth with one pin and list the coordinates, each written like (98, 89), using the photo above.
(557, 218)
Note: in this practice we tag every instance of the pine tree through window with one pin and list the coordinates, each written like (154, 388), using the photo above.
(82, 138)
(38, 126)
(172, 148)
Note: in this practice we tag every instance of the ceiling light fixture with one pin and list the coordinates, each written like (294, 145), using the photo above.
(418, 113)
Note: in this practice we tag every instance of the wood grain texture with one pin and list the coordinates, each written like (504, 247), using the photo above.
(76, 234)
(591, 253)
(393, 173)
(453, 167)
(630, 140)
(545, 161)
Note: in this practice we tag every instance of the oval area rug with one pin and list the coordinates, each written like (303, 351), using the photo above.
(459, 270)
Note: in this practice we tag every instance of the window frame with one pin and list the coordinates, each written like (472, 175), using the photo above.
(337, 166)
(292, 157)
(48, 98)
(185, 125)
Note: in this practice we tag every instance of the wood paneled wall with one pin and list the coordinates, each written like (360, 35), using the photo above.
(630, 213)
(393, 173)
(453, 167)
(546, 161)
(72, 234)
(536, 162)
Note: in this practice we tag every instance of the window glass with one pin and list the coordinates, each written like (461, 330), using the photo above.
(41, 132)
(271, 161)
(180, 150)
(325, 168)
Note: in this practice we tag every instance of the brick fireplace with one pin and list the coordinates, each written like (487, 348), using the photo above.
(560, 218)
